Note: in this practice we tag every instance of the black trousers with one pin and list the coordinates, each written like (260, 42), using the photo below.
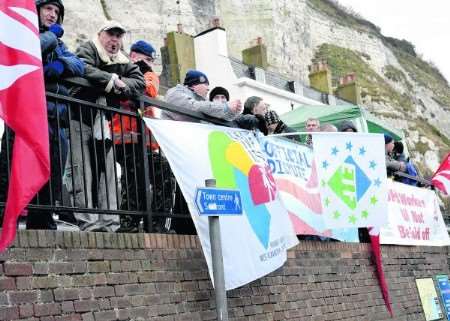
(51, 192)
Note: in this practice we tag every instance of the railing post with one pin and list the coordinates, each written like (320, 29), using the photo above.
(217, 262)
(148, 190)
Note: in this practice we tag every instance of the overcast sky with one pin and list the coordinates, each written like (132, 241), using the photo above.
(426, 24)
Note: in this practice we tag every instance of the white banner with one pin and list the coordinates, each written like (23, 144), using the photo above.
(292, 165)
(255, 243)
(352, 179)
(414, 217)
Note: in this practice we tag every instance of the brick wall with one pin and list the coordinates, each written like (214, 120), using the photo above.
(65, 276)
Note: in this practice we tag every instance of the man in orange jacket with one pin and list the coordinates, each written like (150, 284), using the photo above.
(127, 134)
(142, 54)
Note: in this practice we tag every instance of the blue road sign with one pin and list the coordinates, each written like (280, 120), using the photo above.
(217, 201)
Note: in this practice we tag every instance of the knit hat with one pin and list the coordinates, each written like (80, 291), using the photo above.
(346, 125)
(219, 91)
(195, 77)
(111, 24)
(144, 48)
(387, 139)
(271, 117)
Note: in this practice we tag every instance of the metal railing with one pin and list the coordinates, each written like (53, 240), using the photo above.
(105, 163)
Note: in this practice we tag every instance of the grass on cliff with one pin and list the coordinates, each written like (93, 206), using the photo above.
(426, 75)
(422, 72)
(397, 75)
(343, 61)
(432, 133)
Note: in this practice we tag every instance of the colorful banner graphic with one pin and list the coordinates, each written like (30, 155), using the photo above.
(414, 217)
(352, 179)
(292, 165)
(255, 243)
(429, 299)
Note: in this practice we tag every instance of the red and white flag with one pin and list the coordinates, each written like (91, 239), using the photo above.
(23, 108)
(441, 179)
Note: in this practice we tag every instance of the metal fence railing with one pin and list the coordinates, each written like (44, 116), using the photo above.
(105, 164)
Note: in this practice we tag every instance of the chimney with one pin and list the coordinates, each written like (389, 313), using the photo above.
(320, 77)
(256, 55)
(348, 89)
(178, 55)
(215, 22)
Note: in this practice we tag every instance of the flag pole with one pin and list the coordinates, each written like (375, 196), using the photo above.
(217, 262)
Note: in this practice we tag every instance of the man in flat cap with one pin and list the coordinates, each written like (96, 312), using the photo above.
(114, 78)
(193, 95)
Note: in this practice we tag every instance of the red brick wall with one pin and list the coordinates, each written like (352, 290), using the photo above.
(56, 276)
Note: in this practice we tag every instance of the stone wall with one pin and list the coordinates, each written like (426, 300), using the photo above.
(55, 276)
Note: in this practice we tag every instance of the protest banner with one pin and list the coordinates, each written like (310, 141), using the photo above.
(255, 243)
(414, 217)
(352, 179)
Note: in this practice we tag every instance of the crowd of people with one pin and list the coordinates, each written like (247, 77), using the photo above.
(82, 140)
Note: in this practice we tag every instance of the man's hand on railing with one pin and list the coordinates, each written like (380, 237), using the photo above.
(119, 84)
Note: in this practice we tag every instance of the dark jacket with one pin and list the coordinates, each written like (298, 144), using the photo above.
(282, 128)
(101, 71)
(251, 122)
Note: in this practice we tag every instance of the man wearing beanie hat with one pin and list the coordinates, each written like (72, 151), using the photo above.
(219, 94)
(58, 63)
(111, 72)
(192, 95)
(392, 165)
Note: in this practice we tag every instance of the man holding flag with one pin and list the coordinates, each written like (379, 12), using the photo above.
(27, 39)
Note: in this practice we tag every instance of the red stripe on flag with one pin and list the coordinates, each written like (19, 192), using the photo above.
(8, 9)
(301, 227)
(310, 200)
(11, 57)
